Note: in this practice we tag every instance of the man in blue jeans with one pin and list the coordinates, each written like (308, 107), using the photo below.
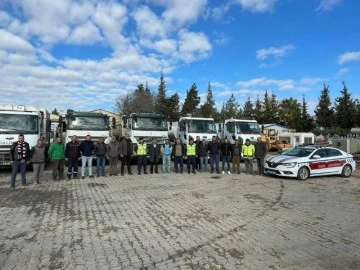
(86, 149)
(178, 152)
(20, 156)
(214, 151)
(166, 152)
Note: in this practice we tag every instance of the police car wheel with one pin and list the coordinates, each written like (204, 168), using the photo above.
(346, 171)
(303, 173)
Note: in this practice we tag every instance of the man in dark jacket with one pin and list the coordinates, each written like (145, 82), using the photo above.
(113, 155)
(126, 152)
(260, 154)
(72, 154)
(86, 149)
(214, 150)
(202, 152)
(226, 150)
(178, 153)
(154, 152)
(20, 156)
(100, 150)
(38, 158)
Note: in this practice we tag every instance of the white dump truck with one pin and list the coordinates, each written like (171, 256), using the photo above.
(84, 123)
(32, 121)
(147, 125)
(234, 129)
(191, 127)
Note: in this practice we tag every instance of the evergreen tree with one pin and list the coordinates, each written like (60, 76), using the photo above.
(266, 108)
(345, 108)
(161, 102)
(248, 111)
(173, 112)
(191, 102)
(290, 113)
(230, 108)
(357, 123)
(324, 112)
(137, 101)
(55, 112)
(258, 111)
(208, 109)
(306, 122)
(273, 109)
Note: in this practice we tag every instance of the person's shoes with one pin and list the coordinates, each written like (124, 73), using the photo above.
(145, 173)
(91, 176)
(12, 186)
(218, 172)
(229, 172)
(151, 172)
(24, 184)
(211, 171)
(156, 172)
(37, 182)
(130, 173)
(98, 175)
(122, 174)
(110, 174)
(194, 172)
(138, 173)
(82, 177)
(104, 175)
(223, 172)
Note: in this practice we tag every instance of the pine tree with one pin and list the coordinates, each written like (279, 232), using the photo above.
(230, 108)
(345, 108)
(258, 111)
(324, 112)
(306, 122)
(208, 109)
(248, 111)
(173, 108)
(160, 104)
(191, 102)
(266, 108)
(273, 109)
(55, 112)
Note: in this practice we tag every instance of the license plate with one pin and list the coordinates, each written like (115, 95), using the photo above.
(270, 172)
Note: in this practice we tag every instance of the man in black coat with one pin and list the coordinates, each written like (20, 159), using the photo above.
(154, 152)
(260, 154)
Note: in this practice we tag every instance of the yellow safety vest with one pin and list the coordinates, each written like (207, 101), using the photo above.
(190, 150)
(141, 149)
(248, 150)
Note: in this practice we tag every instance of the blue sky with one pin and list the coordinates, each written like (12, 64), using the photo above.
(83, 54)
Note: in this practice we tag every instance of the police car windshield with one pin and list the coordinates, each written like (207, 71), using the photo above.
(298, 152)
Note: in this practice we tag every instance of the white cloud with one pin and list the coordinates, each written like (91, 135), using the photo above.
(274, 52)
(148, 24)
(257, 5)
(326, 5)
(348, 57)
(310, 81)
(191, 44)
(281, 84)
(342, 72)
(86, 33)
(11, 42)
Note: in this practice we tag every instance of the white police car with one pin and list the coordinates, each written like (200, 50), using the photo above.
(304, 162)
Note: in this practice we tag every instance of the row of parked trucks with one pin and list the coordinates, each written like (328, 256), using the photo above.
(34, 123)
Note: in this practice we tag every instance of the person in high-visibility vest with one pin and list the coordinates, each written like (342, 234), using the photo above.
(191, 155)
(141, 151)
(248, 151)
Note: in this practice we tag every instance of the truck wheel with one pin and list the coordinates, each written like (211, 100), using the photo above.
(303, 173)
(346, 171)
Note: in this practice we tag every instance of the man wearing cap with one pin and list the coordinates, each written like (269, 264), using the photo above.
(166, 152)
(248, 151)
(141, 151)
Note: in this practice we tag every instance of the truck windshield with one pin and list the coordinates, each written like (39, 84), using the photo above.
(89, 123)
(150, 123)
(202, 126)
(248, 127)
(18, 123)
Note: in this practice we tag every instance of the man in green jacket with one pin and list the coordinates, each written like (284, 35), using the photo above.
(57, 155)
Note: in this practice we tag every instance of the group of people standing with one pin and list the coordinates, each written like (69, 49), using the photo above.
(197, 154)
